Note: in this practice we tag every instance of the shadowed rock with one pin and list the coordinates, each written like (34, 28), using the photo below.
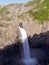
(39, 46)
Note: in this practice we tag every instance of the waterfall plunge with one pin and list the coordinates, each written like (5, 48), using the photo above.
(26, 51)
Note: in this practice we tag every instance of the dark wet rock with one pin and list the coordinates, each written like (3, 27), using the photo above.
(39, 40)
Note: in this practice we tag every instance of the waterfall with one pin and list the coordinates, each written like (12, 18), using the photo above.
(25, 43)
(26, 51)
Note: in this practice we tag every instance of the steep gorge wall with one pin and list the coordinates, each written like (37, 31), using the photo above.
(8, 34)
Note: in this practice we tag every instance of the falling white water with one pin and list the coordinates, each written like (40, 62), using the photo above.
(25, 43)
(27, 59)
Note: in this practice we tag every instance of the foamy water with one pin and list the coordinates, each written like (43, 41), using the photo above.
(26, 51)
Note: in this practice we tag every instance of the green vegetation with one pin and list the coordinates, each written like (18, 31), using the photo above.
(3, 11)
(42, 5)
(42, 15)
(32, 2)
(30, 12)
(4, 14)
(43, 12)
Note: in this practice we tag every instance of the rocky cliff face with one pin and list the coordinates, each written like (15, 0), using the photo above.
(11, 15)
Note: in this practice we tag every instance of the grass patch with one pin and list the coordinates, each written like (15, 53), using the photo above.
(32, 2)
(3, 11)
(42, 14)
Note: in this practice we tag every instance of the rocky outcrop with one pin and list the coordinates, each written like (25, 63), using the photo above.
(39, 40)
